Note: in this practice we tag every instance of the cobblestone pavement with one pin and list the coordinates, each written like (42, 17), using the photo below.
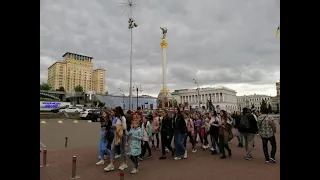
(200, 165)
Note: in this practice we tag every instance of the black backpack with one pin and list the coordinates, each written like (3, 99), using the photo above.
(244, 122)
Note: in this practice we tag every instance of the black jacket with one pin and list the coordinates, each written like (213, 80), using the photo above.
(237, 121)
(179, 124)
(253, 129)
(106, 124)
(166, 125)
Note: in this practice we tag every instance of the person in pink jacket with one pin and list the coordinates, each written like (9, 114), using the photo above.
(190, 133)
(155, 130)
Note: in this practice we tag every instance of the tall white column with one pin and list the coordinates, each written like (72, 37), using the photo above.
(222, 97)
(164, 68)
(215, 97)
(219, 97)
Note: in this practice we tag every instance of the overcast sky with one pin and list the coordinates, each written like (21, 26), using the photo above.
(217, 42)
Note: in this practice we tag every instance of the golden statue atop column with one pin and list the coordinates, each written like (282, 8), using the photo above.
(164, 97)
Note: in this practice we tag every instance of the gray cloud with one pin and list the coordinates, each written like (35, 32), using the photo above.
(216, 42)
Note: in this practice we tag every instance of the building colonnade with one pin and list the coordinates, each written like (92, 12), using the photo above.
(193, 98)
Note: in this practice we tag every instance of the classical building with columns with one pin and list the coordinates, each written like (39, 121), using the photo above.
(255, 100)
(221, 97)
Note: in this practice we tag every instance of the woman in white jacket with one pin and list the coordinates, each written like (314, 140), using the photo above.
(146, 129)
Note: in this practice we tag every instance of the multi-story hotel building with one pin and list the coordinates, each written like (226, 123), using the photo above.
(99, 81)
(74, 70)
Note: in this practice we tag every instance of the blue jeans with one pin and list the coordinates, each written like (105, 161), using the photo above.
(214, 141)
(103, 146)
(178, 144)
(122, 147)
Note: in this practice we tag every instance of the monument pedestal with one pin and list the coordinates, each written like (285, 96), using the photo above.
(165, 99)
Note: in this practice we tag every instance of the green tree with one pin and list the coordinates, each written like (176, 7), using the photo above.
(101, 104)
(252, 106)
(78, 88)
(45, 86)
(95, 103)
(269, 108)
(263, 107)
(174, 103)
(61, 89)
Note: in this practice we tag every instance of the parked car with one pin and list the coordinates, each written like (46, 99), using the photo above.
(71, 110)
(84, 113)
(58, 109)
(94, 115)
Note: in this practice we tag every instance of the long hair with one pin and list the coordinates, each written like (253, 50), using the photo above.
(119, 112)
(215, 113)
(108, 115)
(224, 115)
(135, 117)
(105, 120)
(179, 112)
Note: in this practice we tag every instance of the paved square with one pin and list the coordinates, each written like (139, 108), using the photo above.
(83, 143)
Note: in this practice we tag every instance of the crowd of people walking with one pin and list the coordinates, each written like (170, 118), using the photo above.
(129, 136)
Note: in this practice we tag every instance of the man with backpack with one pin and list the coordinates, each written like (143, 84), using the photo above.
(248, 128)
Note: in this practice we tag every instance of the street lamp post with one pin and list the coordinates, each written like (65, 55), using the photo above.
(137, 88)
(128, 7)
(123, 104)
(132, 25)
(195, 81)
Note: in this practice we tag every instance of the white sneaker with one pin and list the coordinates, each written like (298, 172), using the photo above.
(104, 157)
(204, 147)
(110, 167)
(211, 149)
(185, 155)
(194, 150)
(117, 156)
(134, 170)
(123, 166)
(100, 162)
(177, 158)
